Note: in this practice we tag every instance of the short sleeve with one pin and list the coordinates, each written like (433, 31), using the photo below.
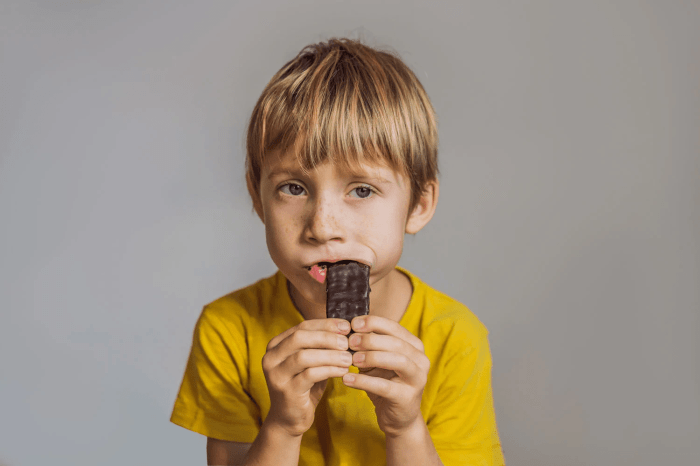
(463, 423)
(213, 399)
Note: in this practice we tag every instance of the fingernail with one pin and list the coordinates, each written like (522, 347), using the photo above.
(359, 323)
(348, 378)
(344, 325)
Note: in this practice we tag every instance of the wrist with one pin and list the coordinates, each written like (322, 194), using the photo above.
(274, 445)
(279, 431)
(416, 429)
(412, 446)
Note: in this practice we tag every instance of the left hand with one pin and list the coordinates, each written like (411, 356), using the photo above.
(393, 373)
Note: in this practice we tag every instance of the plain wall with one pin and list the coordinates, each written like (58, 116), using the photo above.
(568, 219)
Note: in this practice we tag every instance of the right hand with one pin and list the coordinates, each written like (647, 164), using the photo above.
(297, 365)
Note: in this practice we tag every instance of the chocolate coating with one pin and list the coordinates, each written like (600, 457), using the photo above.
(347, 291)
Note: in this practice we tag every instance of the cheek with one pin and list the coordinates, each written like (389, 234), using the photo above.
(280, 230)
(385, 229)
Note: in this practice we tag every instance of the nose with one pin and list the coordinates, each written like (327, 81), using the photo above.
(323, 222)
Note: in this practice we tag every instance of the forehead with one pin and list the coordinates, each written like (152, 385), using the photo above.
(278, 162)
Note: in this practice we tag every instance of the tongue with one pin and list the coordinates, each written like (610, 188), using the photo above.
(318, 273)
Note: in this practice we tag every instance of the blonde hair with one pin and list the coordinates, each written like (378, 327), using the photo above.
(344, 102)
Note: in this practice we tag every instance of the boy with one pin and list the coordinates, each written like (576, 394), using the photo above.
(341, 163)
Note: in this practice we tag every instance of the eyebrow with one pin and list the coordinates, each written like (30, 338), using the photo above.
(368, 175)
(351, 173)
(282, 171)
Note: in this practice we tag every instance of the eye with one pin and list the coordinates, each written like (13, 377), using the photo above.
(363, 192)
(292, 189)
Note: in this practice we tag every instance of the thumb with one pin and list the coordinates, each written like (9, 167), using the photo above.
(317, 391)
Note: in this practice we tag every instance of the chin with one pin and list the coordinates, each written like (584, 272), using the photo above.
(310, 289)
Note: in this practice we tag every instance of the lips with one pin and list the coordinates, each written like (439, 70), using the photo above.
(327, 262)
(318, 270)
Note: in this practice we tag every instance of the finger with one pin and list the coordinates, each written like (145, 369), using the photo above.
(305, 380)
(373, 342)
(329, 325)
(374, 385)
(379, 342)
(384, 326)
(309, 358)
(307, 339)
(400, 364)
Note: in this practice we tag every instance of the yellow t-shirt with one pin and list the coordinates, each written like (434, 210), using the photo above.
(224, 394)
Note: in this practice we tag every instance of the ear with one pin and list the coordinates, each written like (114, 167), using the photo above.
(424, 209)
(255, 196)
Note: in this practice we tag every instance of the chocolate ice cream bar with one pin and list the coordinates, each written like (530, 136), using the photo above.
(347, 291)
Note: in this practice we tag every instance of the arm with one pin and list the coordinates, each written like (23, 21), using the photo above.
(462, 424)
(395, 376)
(272, 446)
(222, 452)
(413, 447)
(296, 367)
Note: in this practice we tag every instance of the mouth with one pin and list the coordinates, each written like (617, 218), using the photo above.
(318, 270)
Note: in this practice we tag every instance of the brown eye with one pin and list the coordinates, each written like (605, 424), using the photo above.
(292, 189)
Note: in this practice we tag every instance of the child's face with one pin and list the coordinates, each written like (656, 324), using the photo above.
(330, 214)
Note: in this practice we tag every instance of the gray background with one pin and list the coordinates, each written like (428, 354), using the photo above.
(568, 219)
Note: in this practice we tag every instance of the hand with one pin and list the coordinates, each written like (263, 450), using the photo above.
(297, 365)
(393, 373)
